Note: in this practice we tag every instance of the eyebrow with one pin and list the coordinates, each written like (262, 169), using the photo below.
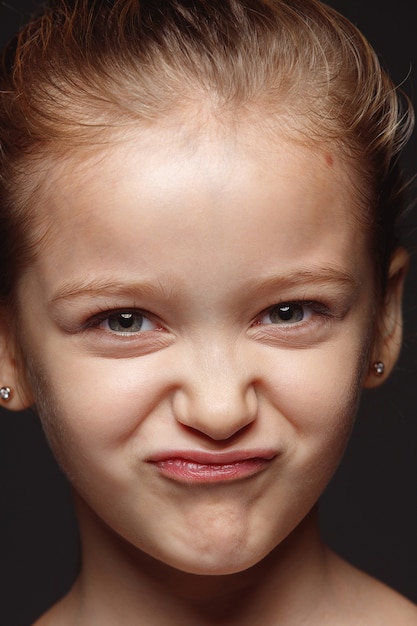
(97, 287)
(169, 290)
(314, 276)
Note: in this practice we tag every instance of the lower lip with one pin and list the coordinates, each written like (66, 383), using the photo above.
(191, 472)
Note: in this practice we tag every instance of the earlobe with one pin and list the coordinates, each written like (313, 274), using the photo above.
(389, 328)
(13, 390)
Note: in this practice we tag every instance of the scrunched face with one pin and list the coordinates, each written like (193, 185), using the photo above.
(198, 326)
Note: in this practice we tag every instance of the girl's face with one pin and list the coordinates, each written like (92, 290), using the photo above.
(198, 326)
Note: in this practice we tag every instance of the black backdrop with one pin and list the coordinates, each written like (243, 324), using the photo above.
(369, 512)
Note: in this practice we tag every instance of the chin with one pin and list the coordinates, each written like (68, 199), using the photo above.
(215, 563)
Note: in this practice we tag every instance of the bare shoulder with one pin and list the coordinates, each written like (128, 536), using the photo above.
(389, 607)
(368, 601)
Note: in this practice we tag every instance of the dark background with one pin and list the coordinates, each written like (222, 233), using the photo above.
(369, 512)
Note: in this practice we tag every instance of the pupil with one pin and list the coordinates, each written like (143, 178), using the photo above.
(126, 320)
(286, 312)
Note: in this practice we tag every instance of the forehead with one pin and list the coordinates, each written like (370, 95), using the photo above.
(246, 142)
(191, 190)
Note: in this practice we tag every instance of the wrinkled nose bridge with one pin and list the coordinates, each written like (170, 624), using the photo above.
(217, 395)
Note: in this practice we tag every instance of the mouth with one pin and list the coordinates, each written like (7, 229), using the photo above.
(202, 467)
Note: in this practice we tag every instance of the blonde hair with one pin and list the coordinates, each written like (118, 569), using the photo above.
(87, 67)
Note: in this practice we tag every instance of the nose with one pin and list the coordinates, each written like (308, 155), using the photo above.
(217, 396)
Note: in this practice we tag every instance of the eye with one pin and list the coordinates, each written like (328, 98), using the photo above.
(126, 322)
(287, 313)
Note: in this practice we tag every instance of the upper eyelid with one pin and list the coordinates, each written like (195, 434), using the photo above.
(319, 307)
(114, 310)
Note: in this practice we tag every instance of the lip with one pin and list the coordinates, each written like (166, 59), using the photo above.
(193, 466)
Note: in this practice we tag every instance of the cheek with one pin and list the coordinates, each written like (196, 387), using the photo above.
(90, 407)
(317, 393)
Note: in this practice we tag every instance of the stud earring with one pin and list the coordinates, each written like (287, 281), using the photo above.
(379, 368)
(5, 393)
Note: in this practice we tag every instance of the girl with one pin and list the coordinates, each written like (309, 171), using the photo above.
(200, 273)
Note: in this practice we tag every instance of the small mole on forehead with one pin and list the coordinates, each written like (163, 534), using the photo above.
(329, 159)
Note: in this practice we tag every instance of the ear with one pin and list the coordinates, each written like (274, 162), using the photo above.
(12, 374)
(389, 324)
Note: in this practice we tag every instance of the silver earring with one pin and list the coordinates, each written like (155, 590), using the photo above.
(379, 368)
(5, 393)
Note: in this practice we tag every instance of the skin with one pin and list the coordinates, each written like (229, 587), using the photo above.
(201, 234)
